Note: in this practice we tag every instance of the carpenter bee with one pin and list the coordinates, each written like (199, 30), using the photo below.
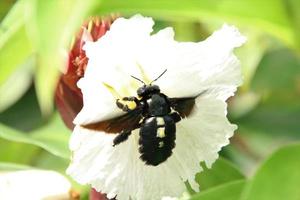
(155, 114)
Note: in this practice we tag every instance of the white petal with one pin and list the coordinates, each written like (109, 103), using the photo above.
(129, 49)
(99, 103)
(209, 65)
(33, 185)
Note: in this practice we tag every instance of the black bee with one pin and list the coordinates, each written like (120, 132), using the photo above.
(155, 114)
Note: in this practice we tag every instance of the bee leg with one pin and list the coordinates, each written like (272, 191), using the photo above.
(123, 136)
(175, 116)
(122, 106)
(132, 98)
(127, 103)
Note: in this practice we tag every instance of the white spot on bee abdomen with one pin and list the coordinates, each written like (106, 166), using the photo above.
(161, 132)
(161, 144)
(160, 121)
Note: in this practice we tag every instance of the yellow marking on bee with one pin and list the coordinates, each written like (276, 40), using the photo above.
(160, 121)
(112, 91)
(161, 132)
(130, 104)
(160, 144)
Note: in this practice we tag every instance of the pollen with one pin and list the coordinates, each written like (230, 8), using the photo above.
(131, 105)
(161, 132)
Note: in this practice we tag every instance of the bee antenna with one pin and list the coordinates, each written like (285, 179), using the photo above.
(138, 79)
(159, 76)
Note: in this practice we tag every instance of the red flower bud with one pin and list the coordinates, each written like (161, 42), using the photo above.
(68, 97)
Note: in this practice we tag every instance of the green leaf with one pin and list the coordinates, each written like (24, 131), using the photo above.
(15, 46)
(16, 85)
(4, 7)
(16, 58)
(24, 115)
(4, 166)
(251, 54)
(293, 8)
(51, 24)
(46, 77)
(259, 14)
(20, 153)
(278, 178)
(45, 24)
(284, 65)
(15, 16)
(222, 171)
(278, 110)
(53, 137)
(49, 161)
(273, 119)
(186, 30)
(229, 191)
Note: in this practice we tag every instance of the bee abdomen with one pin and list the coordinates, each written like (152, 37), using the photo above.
(157, 139)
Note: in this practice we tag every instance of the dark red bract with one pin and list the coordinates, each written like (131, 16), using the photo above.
(68, 97)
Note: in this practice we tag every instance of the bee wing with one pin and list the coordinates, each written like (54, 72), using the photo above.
(184, 106)
(129, 121)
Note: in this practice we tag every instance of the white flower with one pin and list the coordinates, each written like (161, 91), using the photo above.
(33, 185)
(129, 48)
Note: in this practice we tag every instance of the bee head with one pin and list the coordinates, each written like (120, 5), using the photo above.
(146, 90)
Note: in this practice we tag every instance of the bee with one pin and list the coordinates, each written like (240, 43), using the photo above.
(155, 114)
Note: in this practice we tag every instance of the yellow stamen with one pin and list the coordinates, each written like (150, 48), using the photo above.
(144, 77)
(112, 91)
(90, 26)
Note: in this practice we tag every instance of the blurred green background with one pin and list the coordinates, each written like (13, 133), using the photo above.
(263, 159)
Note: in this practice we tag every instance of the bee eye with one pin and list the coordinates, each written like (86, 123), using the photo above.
(141, 91)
